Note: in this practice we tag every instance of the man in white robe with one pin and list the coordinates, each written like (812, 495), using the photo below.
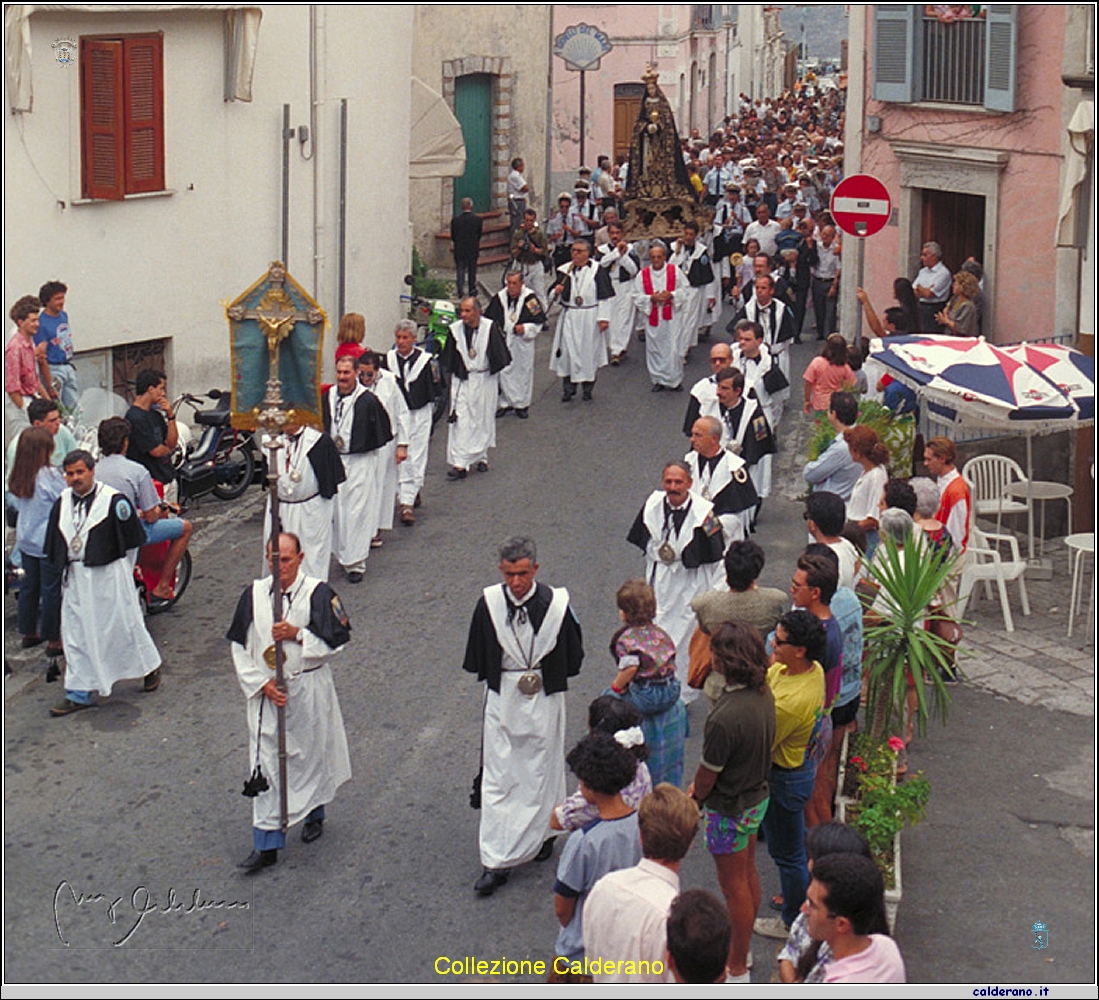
(91, 530)
(659, 292)
(745, 430)
(412, 367)
(730, 218)
(517, 310)
(312, 628)
(777, 323)
(703, 397)
(359, 426)
(754, 359)
(310, 473)
(683, 544)
(374, 378)
(693, 261)
(586, 296)
(524, 643)
(712, 296)
(722, 478)
(622, 263)
(475, 353)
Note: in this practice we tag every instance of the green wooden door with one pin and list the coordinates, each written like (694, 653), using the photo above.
(473, 109)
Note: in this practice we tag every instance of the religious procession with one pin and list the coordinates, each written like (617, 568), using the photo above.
(663, 378)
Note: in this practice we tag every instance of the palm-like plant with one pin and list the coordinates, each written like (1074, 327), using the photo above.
(910, 577)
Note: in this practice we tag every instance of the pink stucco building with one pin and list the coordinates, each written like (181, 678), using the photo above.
(967, 120)
(705, 54)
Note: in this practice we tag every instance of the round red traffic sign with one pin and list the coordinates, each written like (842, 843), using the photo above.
(861, 205)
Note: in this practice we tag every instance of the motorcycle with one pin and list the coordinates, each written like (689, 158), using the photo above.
(224, 461)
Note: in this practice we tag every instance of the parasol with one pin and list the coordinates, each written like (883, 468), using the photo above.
(1028, 388)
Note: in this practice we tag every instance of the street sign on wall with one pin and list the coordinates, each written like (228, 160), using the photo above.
(581, 46)
(861, 205)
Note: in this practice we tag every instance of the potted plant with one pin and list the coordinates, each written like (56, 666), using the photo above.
(906, 656)
(875, 803)
(905, 665)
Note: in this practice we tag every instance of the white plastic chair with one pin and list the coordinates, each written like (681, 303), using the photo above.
(988, 477)
(984, 562)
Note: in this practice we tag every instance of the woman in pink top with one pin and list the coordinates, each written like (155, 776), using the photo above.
(827, 373)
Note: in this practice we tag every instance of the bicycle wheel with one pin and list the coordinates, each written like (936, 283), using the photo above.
(238, 451)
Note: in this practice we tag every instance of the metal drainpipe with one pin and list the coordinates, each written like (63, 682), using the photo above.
(313, 28)
(341, 263)
(287, 136)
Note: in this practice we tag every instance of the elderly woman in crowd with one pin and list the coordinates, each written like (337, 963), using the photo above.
(960, 315)
(928, 496)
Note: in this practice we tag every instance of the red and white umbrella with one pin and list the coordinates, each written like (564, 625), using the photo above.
(1028, 388)
(1070, 370)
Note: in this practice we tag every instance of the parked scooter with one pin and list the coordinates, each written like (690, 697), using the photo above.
(150, 564)
(223, 461)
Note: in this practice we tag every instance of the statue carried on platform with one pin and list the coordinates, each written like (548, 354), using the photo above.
(658, 199)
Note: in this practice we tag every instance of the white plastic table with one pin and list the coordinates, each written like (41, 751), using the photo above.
(1042, 491)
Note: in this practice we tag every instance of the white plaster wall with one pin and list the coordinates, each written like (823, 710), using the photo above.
(164, 266)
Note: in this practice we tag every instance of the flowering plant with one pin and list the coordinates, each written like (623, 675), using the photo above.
(882, 807)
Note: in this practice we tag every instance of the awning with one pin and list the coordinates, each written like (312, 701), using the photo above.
(241, 34)
(437, 147)
(1081, 133)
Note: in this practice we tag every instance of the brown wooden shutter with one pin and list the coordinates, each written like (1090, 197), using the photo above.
(102, 119)
(144, 107)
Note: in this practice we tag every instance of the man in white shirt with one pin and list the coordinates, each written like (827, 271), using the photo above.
(825, 267)
(932, 286)
(518, 189)
(626, 911)
(764, 229)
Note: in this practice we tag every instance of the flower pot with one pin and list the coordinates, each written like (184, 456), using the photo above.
(892, 896)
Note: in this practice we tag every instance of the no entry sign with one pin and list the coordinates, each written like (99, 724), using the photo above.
(861, 205)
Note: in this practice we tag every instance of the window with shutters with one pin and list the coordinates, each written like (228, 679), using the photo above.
(963, 56)
(122, 115)
(953, 60)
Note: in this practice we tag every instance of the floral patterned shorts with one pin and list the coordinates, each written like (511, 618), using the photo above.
(729, 834)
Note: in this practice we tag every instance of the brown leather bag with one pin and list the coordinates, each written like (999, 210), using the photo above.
(699, 663)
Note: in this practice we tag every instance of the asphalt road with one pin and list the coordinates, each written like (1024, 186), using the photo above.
(123, 825)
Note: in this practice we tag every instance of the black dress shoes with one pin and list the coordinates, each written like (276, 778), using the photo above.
(312, 831)
(545, 852)
(491, 879)
(257, 860)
